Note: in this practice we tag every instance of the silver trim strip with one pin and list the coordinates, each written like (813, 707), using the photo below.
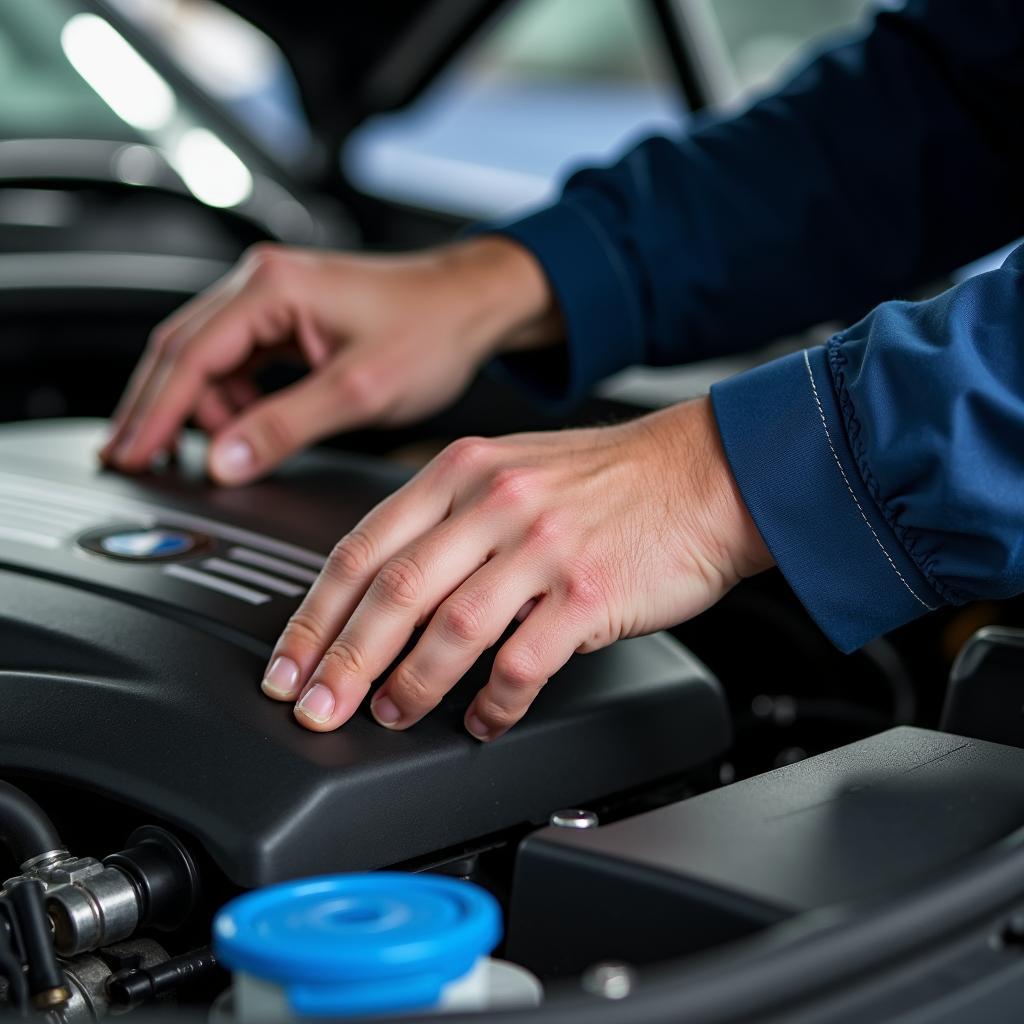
(31, 507)
(128, 508)
(278, 565)
(51, 496)
(34, 524)
(42, 540)
(202, 579)
(261, 579)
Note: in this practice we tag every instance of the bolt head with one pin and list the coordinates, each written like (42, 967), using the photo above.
(574, 817)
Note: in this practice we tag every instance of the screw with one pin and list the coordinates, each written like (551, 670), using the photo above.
(610, 979)
(574, 818)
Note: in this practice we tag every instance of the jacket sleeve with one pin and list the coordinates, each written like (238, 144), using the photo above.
(883, 163)
(884, 470)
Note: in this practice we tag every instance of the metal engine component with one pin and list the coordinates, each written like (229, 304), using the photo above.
(90, 904)
(94, 903)
(89, 976)
(101, 909)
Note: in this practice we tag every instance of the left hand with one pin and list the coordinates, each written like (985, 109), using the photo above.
(585, 536)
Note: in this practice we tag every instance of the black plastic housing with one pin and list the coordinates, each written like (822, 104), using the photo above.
(985, 698)
(134, 680)
(865, 821)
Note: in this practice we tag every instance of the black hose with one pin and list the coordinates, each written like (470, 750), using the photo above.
(43, 974)
(25, 827)
(10, 967)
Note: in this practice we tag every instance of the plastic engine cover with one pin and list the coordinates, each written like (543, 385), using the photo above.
(136, 616)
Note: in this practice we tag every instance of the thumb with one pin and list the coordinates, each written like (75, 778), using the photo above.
(335, 397)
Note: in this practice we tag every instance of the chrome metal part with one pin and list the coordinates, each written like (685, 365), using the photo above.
(100, 909)
(87, 979)
(574, 817)
(609, 979)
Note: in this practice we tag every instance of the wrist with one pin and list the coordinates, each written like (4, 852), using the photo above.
(506, 300)
(715, 514)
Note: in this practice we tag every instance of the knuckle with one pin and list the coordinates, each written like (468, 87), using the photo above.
(302, 631)
(408, 689)
(495, 714)
(351, 558)
(400, 581)
(466, 454)
(548, 528)
(261, 253)
(512, 486)
(354, 386)
(462, 619)
(267, 265)
(586, 585)
(520, 668)
(343, 658)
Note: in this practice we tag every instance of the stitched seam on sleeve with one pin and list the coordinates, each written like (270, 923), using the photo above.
(846, 480)
(919, 555)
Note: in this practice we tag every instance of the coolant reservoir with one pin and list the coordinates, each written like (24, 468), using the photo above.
(359, 944)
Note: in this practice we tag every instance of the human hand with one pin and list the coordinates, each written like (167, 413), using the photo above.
(586, 536)
(388, 339)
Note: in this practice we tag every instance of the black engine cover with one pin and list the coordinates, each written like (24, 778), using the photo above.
(136, 615)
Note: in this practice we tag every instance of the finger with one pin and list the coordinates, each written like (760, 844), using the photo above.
(321, 403)
(255, 306)
(182, 373)
(213, 410)
(396, 522)
(401, 595)
(122, 414)
(465, 625)
(165, 336)
(240, 391)
(535, 652)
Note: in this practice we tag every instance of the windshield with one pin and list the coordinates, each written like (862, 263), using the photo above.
(68, 74)
(41, 94)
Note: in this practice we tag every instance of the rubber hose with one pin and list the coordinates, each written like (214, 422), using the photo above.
(25, 828)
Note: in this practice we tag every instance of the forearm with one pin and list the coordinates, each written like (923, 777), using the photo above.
(883, 163)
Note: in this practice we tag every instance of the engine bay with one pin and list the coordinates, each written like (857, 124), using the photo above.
(137, 615)
(146, 782)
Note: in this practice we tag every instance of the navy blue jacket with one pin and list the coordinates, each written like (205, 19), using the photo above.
(885, 470)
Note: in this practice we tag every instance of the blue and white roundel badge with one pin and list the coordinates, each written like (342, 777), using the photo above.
(144, 543)
(154, 543)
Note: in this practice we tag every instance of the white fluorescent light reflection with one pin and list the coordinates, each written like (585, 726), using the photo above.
(117, 73)
(211, 171)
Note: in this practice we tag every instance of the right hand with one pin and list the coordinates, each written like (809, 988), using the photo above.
(388, 339)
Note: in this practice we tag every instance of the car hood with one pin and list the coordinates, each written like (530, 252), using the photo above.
(353, 60)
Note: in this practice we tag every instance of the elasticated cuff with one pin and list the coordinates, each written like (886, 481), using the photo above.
(784, 437)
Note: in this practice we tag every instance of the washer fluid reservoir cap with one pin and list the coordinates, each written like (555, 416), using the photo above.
(359, 943)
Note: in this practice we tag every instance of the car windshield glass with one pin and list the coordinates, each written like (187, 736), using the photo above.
(41, 93)
(71, 74)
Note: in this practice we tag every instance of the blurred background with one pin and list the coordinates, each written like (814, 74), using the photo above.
(144, 144)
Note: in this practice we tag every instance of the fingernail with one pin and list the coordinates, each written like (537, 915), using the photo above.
(477, 729)
(385, 711)
(282, 678)
(234, 459)
(131, 432)
(317, 704)
(106, 446)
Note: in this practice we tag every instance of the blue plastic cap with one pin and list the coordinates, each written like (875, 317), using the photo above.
(363, 943)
